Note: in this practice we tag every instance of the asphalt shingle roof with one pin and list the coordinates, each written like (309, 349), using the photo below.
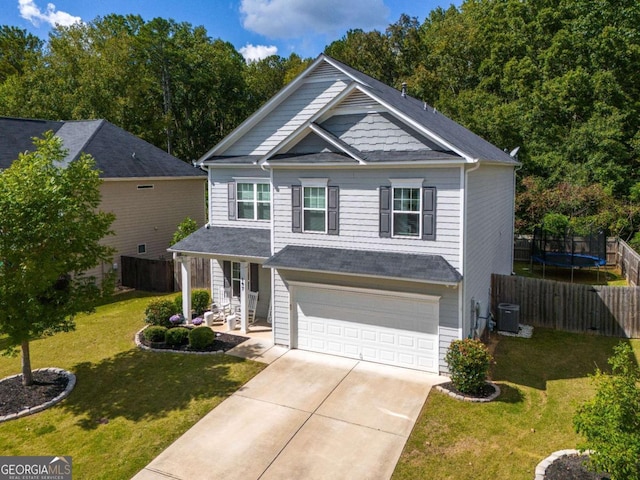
(112, 147)
(227, 242)
(405, 266)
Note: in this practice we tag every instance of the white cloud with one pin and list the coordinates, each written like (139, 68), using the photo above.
(30, 11)
(297, 18)
(252, 53)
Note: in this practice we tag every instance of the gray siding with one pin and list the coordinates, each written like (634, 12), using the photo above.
(359, 211)
(287, 117)
(447, 335)
(312, 143)
(489, 236)
(376, 132)
(264, 282)
(218, 206)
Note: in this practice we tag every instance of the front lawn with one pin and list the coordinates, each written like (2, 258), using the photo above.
(128, 405)
(543, 379)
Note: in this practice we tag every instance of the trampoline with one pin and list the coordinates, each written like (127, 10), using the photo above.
(569, 250)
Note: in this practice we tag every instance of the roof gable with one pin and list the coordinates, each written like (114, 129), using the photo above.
(342, 90)
(118, 153)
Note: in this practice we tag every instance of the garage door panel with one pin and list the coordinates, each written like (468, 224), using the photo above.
(339, 327)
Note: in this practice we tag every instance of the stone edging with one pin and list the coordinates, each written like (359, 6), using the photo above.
(142, 346)
(457, 396)
(38, 408)
(541, 468)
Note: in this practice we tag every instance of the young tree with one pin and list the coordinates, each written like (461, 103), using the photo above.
(186, 228)
(611, 420)
(50, 232)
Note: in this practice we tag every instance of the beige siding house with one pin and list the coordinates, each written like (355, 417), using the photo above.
(149, 191)
(368, 222)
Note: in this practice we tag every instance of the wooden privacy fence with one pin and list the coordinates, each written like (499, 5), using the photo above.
(629, 263)
(161, 275)
(200, 273)
(146, 274)
(612, 311)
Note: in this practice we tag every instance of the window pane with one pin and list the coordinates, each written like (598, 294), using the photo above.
(406, 224)
(245, 191)
(264, 211)
(264, 194)
(245, 210)
(314, 221)
(406, 199)
(314, 197)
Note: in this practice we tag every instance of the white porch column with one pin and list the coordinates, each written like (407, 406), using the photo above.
(185, 270)
(244, 297)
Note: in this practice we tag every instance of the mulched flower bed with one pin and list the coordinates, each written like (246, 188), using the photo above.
(572, 467)
(14, 397)
(223, 342)
(485, 392)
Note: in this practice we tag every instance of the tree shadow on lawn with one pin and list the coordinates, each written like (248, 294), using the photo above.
(138, 385)
(550, 355)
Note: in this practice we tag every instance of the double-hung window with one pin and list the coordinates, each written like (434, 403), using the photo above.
(249, 200)
(408, 210)
(314, 208)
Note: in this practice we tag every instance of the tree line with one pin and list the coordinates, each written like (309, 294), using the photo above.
(559, 79)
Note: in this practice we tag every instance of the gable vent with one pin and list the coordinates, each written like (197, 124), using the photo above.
(324, 71)
(358, 100)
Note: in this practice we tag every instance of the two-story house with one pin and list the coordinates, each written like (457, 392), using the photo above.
(368, 222)
(149, 191)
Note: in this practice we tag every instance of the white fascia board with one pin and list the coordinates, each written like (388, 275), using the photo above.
(295, 135)
(338, 67)
(419, 127)
(387, 165)
(262, 112)
(322, 133)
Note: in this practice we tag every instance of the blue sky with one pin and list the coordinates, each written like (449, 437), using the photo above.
(256, 28)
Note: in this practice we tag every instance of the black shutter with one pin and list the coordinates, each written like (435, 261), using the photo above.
(253, 277)
(231, 199)
(333, 210)
(385, 212)
(429, 213)
(226, 270)
(296, 209)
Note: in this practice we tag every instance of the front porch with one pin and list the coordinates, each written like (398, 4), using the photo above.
(259, 347)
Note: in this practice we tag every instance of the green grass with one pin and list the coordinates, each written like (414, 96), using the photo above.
(128, 405)
(590, 276)
(543, 380)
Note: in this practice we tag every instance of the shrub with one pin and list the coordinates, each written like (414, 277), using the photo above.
(177, 336)
(200, 300)
(611, 420)
(158, 312)
(468, 362)
(155, 333)
(201, 337)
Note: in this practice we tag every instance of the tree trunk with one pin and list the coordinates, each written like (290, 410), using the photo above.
(27, 375)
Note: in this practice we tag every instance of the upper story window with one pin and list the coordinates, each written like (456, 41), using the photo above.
(254, 201)
(315, 206)
(408, 210)
(249, 199)
(314, 209)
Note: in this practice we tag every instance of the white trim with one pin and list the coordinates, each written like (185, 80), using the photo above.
(418, 212)
(406, 182)
(314, 182)
(372, 291)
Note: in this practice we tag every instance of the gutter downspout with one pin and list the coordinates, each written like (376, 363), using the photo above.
(465, 202)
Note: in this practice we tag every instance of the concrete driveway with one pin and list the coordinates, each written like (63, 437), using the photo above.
(306, 415)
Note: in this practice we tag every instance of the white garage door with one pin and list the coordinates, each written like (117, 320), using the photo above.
(368, 324)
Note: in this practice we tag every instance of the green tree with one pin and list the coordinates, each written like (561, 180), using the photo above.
(610, 421)
(50, 233)
(186, 228)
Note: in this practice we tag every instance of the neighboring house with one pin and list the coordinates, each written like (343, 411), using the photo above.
(369, 222)
(149, 191)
